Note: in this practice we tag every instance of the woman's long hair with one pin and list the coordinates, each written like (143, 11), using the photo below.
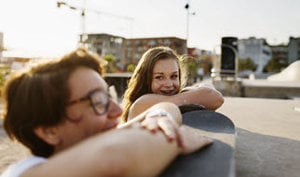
(140, 82)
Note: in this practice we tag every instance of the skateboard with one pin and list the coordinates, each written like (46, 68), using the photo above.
(215, 160)
(190, 107)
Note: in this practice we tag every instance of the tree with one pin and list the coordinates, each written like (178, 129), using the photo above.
(4, 71)
(246, 64)
(111, 63)
(192, 66)
(276, 64)
(130, 67)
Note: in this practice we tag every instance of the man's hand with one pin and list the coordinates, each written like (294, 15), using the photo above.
(193, 139)
(160, 120)
(164, 117)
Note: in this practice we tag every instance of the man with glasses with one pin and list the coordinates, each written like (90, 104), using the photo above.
(63, 113)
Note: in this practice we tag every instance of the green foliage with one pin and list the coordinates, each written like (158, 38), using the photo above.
(4, 71)
(246, 64)
(130, 67)
(192, 67)
(109, 58)
(275, 65)
(111, 63)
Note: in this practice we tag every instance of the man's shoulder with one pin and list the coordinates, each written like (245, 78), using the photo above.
(15, 170)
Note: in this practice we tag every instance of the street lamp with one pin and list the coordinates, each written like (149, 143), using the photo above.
(187, 7)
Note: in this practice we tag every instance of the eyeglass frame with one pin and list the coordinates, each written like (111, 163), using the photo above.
(93, 104)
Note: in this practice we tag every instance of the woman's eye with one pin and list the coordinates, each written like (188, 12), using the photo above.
(174, 76)
(158, 77)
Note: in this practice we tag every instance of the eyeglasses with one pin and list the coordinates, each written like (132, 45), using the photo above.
(99, 100)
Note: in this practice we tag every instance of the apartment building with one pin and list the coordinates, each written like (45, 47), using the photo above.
(256, 49)
(130, 50)
(106, 44)
(135, 47)
(280, 52)
(293, 49)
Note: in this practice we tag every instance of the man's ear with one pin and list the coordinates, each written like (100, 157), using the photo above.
(47, 134)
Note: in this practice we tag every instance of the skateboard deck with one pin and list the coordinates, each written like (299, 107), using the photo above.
(215, 160)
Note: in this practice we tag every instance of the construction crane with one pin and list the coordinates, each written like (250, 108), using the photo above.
(83, 11)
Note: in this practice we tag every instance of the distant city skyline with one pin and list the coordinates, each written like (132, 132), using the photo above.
(39, 28)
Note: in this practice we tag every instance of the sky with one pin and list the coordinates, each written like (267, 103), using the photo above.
(38, 28)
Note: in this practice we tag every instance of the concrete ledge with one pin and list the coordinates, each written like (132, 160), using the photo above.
(270, 89)
(260, 88)
(119, 80)
(229, 87)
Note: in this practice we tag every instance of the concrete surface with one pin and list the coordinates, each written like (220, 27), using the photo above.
(268, 136)
(267, 144)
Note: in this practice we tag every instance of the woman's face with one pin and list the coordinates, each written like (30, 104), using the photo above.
(82, 120)
(165, 77)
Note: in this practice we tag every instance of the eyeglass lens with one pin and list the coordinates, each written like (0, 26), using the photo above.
(100, 102)
(97, 99)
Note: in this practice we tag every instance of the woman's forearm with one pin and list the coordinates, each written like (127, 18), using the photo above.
(208, 97)
(139, 109)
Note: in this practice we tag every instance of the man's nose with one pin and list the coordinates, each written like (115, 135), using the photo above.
(114, 110)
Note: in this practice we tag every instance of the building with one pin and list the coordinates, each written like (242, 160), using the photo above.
(104, 44)
(134, 48)
(129, 51)
(256, 49)
(203, 59)
(293, 49)
(280, 53)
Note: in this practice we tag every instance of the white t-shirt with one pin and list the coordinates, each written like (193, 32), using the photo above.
(17, 169)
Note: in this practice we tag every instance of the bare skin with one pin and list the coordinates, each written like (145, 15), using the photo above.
(211, 97)
(93, 146)
(165, 86)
